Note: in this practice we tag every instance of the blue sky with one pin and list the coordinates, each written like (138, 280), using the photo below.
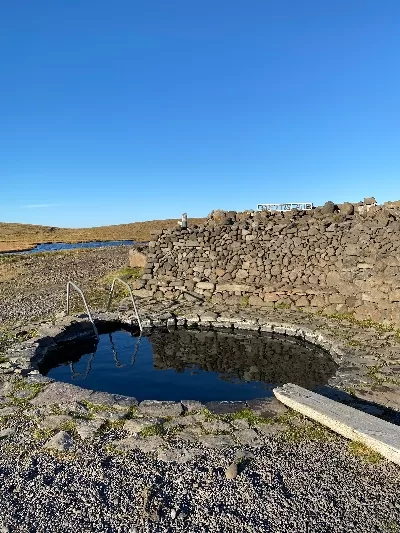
(120, 111)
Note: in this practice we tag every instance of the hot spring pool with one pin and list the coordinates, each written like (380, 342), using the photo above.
(189, 364)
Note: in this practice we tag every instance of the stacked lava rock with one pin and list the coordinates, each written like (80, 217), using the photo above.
(336, 259)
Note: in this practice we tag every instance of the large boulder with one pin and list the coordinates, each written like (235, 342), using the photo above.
(222, 217)
(328, 208)
(370, 201)
(347, 209)
(137, 258)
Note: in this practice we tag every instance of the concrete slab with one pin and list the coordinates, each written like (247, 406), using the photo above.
(375, 433)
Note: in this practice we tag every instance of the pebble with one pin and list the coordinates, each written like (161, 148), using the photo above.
(232, 471)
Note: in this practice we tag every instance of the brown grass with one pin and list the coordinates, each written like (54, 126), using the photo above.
(14, 237)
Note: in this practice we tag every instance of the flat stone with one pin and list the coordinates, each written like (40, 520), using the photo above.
(383, 396)
(61, 442)
(101, 398)
(160, 408)
(8, 411)
(205, 286)
(190, 434)
(23, 394)
(373, 432)
(209, 316)
(176, 455)
(5, 388)
(184, 421)
(216, 426)
(222, 408)
(112, 400)
(125, 401)
(49, 330)
(54, 421)
(38, 378)
(192, 405)
(270, 430)
(267, 408)
(87, 429)
(7, 432)
(216, 441)
(110, 415)
(61, 393)
(240, 423)
(136, 425)
(145, 444)
(248, 437)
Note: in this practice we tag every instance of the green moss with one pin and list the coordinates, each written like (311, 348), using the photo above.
(391, 527)
(22, 385)
(380, 379)
(283, 305)
(208, 415)
(353, 342)
(360, 450)
(244, 301)
(132, 413)
(96, 407)
(151, 431)
(127, 273)
(363, 324)
(69, 426)
(8, 336)
(314, 432)
(43, 433)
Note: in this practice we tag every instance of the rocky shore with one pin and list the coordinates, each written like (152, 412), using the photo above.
(84, 461)
(34, 285)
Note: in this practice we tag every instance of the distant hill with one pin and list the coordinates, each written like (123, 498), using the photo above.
(15, 237)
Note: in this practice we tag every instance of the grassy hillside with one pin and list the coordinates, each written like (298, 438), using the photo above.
(25, 236)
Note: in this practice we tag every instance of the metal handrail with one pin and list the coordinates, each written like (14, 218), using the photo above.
(133, 300)
(71, 284)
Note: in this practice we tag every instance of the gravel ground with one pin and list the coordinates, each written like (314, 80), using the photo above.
(34, 285)
(285, 487)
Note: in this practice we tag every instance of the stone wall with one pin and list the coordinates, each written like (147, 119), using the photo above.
(334, 259)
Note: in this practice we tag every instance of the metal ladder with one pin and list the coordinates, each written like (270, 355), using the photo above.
(133, 300)
(71, 284)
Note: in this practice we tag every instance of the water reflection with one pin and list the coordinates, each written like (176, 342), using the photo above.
(174, 365)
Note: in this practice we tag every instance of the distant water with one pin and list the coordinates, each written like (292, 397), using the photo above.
(54, 246)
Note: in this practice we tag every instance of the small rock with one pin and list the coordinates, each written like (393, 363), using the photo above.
(173, 514)
(61, 442)
(192, 405)
(6, 432)
(87, 429)
(7, 411)
(232, 471)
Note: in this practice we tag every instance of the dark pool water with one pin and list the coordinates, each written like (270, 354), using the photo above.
(189, 364)
(54, 246)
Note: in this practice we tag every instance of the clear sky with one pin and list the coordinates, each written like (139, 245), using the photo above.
(125, 110)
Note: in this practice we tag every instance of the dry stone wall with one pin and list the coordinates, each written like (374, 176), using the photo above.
(329, 260)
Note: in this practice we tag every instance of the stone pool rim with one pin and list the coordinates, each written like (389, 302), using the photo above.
(69, 344)
(73, 328)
